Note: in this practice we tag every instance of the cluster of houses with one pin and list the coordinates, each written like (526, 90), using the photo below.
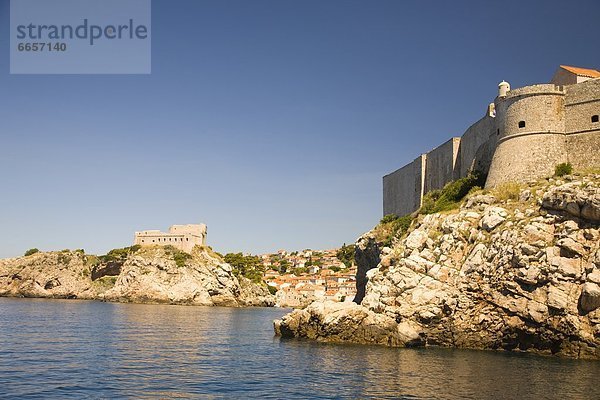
(303, 277)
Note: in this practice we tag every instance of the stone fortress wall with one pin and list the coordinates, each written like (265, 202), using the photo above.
(403, 189)
(182, 237)
(583, 132)
(525, 133)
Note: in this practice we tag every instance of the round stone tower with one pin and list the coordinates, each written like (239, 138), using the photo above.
(530, 130)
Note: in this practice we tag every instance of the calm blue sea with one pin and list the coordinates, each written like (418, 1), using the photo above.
(79, 349)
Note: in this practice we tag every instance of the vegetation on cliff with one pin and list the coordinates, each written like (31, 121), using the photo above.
(248, 266)
(563, 169)
(450, 196)
(346, 254)
(31, 252)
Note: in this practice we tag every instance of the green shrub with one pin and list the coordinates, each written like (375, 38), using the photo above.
(181, 257)
(474, 190)
(402, 224)
(450, 196)
(117, 255)
(388, 218)
(346, 254)
(105, 282)
(445, 199)
(392, 226)
(284, 265)
(272, 289)
(64, 258)
(563, 169)
(31, 252)
(92, 261)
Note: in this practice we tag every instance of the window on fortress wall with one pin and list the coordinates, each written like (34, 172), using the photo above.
(521, 124)
(594, 118)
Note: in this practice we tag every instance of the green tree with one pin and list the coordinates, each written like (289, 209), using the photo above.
(346, 254)
(284, 266)
(31, 252)
(248, 266)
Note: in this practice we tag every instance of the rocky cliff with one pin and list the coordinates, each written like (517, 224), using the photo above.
(144, 275)
(516, 271)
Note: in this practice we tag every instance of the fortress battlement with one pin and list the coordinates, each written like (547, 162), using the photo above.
(525, 133)
(532, 90)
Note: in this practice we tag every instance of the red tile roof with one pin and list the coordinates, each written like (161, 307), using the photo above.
(590, 73)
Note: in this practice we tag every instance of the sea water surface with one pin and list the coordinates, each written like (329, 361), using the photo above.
(83, 349)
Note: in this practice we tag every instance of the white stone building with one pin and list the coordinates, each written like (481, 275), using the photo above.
(182, 237)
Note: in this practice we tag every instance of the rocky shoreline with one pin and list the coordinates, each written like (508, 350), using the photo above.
(518, 273)
(138, 275)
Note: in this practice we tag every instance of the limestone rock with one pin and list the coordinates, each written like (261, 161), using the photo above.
(590, 297)
(557, 299)
(63, 274)
(575, 199)
(416, 240)
(346, 322)
(149, 275)
(477, 278)
(255, 295)
(571, 246)
(492, 217)
(478, 202)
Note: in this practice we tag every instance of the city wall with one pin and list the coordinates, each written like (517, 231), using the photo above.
(439, 165)
(476, 148)
(523, 136)
(583, 135)
(403, 189)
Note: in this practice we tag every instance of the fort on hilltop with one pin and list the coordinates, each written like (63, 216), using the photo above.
(182, 237)
(524, 134)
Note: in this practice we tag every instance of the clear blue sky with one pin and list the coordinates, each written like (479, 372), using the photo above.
(271, 121)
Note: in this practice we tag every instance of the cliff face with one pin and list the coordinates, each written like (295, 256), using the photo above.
(514, 274)
(58, 274)
(148, 275)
